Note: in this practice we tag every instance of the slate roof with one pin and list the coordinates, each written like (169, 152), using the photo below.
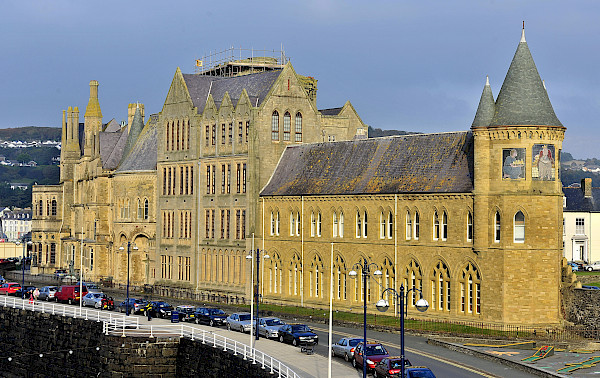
(422, 163)
(523, 100)
(257, 85)
(576, 201)
(143, 154)
(135, 129)
(331, 111)
(486, 108)
(111, 148)
(112, 126)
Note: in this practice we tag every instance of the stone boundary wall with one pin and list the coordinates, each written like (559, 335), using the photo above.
(24, 335)
(582, 307)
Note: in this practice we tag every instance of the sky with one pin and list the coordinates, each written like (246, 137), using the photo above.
(404, 65)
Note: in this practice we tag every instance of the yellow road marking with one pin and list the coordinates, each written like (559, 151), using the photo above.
(424, 354)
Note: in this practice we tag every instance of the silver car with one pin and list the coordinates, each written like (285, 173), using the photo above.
(239, 321)
(92, 299)
(269, 327)
(345, 347)
(47, 293)
(592, 266)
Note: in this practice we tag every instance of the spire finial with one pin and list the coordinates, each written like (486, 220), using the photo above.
(523, 33)
(487, 80)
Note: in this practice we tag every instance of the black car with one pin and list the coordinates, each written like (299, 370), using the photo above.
(211, 316)
(28, 292)
(297, 334)
(159, 309)
(186, 313)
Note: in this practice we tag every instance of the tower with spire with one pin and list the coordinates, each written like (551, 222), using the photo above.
(518, 192)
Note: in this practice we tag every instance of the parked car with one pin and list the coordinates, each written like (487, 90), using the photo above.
(345, 347)
(92, 287)
(418, 372)
(93, 299)
(9, 288)
(390, 367)
(159, 309)
(590, 287)
(297, 334)
(59, 273)
(239, 321)
(210, 315)
(186, 313)
(69, 294)
(375, 352)
(574, 266)
(269, 327)
(47, 293)
(135, 305)
(24, 292)
(592, 266)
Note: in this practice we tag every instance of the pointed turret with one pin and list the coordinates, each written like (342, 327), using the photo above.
(486, 108)
(137, 125)
(522, 99)
(93, 122)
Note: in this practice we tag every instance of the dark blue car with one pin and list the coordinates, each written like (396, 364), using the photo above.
(297, 334)
(211, 316)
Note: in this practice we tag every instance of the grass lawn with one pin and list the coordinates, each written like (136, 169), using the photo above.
(587, 273)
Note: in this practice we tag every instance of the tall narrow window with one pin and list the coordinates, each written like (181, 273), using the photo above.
(146, 208)
(416, 225)
(247, 130)
(390, 225)
(497, 228)
(214, 135)
(470, 292)
(240, 133)
(408, 226)
(277, 224)
(275, 126)
(436, 226)
(298, 128)
(228, 178)
(230, 141)
(223, 173)
(341, 228)
(519, 227)
(287, 120)
(237, 182)
(272, 223)
(444, 225)
(319, 224)
(223, 133)
(358, 224)
(580, 226)
(382, 226)
(207, 135)
(364, 225)
(208, 179)
(292, 223)
(298, 223)
(244, 178)
(469, 226)
(313, 224)
(335, 225)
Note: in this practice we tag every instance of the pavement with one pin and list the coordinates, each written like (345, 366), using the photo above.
(545, 367)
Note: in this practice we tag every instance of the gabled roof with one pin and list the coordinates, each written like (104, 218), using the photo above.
(523, 100)
(331, 111)
(143, 154)
(423, 163)
(257, 85)
(135, 129)
(112, 126)
(111, 148)
(576, 201)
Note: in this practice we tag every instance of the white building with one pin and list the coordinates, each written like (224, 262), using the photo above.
(15, 223)
(581, 222)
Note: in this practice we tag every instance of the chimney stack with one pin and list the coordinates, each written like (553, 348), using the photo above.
(586, 187)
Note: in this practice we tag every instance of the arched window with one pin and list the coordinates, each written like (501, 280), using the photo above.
(275, 126)
(416, 225)
(313, 224)
(519, 228)
(388, 276)
(146, 208)
(497, 227)
(339, 268)
(140, 211)
(440, 287)
(127, 208)
(365, 224)
(408, 231)
(382, 226)
(298, 129)
(272, 223)
(390, 225)
(53, 207)
(287, 125)
(316, 277)
(294, 275)
(335, 225)
(341, 229)
(319, 224)
(358, 224)
(413, 280)
(444, 225)
(298, 223)
(277, 224)
(292, 223)
(470, 290)
(436, 226)
(469, 226)
(275, 274)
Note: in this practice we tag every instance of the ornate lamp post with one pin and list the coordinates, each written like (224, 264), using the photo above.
(255, 284)
(365, 269)
(130, 246)
(383, 305)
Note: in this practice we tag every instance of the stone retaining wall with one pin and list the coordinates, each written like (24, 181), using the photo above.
(68, 348)
(583, 307)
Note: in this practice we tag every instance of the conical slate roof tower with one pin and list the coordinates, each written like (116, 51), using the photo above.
(523, 100)
(486, 108)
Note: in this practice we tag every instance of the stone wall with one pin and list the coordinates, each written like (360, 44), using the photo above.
(582, 307)
(34, 344)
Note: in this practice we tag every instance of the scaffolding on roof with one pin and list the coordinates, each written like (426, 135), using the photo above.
(231, 62)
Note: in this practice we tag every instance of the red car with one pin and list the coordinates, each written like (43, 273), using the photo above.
(390, 367)
(9, 288)
(375, 353)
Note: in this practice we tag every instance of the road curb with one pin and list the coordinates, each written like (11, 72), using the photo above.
(515, 365)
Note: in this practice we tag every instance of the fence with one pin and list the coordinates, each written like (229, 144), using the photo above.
(122, 325)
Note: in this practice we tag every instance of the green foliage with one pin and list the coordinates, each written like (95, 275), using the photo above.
(16, 197)
(565, 156)
(31, 134)
(41, 155)
(572, 176)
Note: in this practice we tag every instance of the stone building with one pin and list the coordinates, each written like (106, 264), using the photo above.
(470, 218)
(178, 195)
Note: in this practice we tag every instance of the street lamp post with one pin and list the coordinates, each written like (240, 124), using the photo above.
(25, 242)
(365, 269)
(130, 246)
(256, 283)
(383, 305)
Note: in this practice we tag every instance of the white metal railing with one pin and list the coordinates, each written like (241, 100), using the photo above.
(266, 362)
(108, 317)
